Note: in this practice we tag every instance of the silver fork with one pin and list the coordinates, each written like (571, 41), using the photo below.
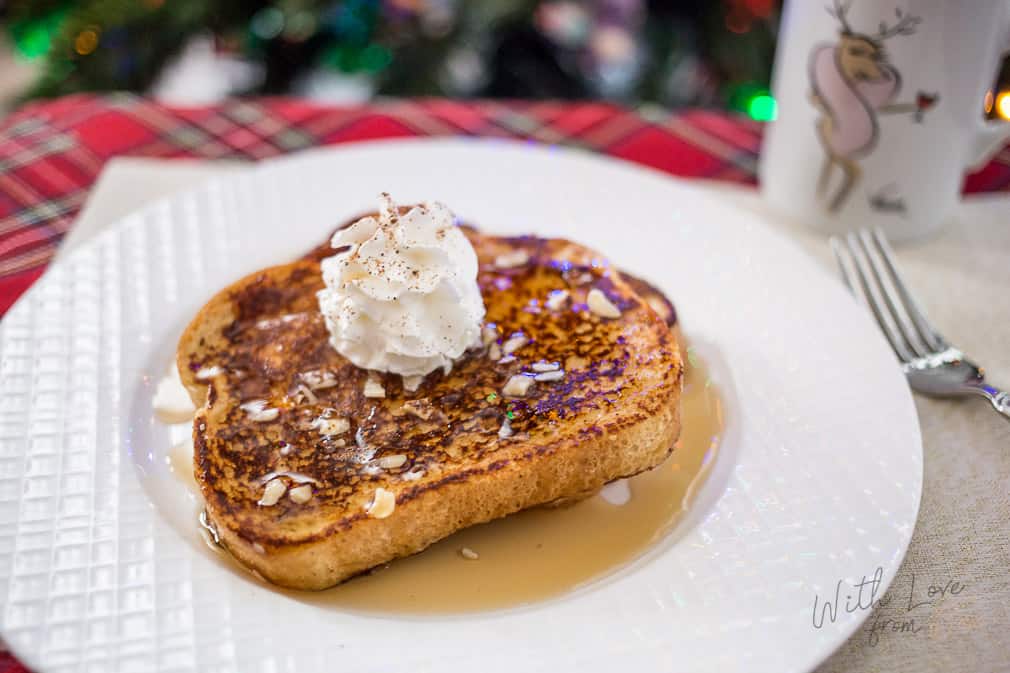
(932, 365)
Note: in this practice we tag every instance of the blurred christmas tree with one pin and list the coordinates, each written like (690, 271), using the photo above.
(691, 52)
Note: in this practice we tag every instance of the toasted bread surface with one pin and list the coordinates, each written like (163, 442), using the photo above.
(614, 413)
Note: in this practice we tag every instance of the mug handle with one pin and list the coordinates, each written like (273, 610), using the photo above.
(991, 136)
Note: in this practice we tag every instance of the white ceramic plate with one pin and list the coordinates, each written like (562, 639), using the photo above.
(818, 482)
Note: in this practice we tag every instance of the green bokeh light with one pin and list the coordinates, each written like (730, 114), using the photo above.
(33, 38)
(762, 107)
(375, 57)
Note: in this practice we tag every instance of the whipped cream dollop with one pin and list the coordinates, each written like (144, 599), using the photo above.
(403, 298)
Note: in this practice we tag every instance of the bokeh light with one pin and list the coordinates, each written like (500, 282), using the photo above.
(86, 41)
(762, 107)
(1003, 105)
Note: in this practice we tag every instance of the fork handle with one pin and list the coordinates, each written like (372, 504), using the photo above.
(999, 399)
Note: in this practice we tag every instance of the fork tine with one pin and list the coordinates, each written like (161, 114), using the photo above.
(927, 332)
(894, 303)
(871, 297)
(843, 268)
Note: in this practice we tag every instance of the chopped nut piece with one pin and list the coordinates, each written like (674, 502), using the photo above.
(507, 359)
(469, 554)
(517, 386)
(505, 431)
(382, 504)
(601, 305)
(258, 548)
(488, 334)
(546, 366)
(373, 388)
(300, 494)
(514, 343)
(392, 462)
(412, 383)
(556, 299)
(258, 411)
(512, 259)
(208, 373)
(555, 375)
(319, 379)
(272, 492)
(331, 426)
(304, 394)
(494, 352)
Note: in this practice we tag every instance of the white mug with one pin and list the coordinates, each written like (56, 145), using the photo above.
(880, 110)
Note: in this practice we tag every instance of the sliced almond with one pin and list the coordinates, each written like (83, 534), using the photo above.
(392, 462)
(545, 366)
(412, 383)
(494, 352)
(373, 388)
(331, 426)
(300, 494)
(556, 299)
(517, 386)
(555, 375)
(258, 411)
(272, 492)
(514, 343)
(488, 334)
(512, 259)
(505, 431)
(205, 373)
(319, 379)
(304, 394)
(382, 504)
(601, 305)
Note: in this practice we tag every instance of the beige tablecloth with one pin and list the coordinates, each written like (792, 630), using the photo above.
(961, 543)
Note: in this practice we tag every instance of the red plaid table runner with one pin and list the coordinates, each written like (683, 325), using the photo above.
(51, 153)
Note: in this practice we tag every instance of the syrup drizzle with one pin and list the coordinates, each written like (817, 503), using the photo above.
(537, 554)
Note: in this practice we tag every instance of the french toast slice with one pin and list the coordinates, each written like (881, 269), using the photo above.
(455, 452)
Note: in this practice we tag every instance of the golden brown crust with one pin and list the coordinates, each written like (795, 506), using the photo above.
(615, 413)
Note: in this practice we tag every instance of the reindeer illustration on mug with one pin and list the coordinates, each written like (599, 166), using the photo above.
(852, 82)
